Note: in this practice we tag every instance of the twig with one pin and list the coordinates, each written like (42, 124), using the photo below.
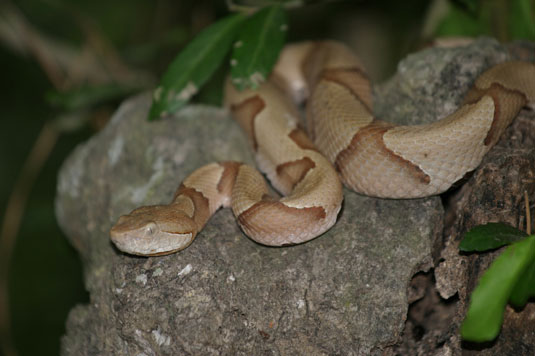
(15, 208)
(68, 66)
(65, 67)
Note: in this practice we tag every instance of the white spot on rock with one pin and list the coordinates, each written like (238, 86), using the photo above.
(182, 153)
(70, 181)
(116, 148)
(185, 270)
(158, 165)
(231, 278)
(300, 304)
(157, 272)
(139, 194)
(161, 339)
(141, 278)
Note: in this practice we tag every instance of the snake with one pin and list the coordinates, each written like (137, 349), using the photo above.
(344, 144)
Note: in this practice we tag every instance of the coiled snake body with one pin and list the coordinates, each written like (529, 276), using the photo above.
(370, 156)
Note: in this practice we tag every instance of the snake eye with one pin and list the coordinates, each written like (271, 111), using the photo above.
(150, 228)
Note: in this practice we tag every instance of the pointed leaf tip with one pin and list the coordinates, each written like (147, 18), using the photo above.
(490, 236)
(257, 47)
(193, 66)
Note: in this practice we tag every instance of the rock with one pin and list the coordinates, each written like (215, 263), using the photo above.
(345, 292)
(493, 193)
(225, 293)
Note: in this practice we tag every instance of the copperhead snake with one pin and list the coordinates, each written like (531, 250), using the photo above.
(370, 156)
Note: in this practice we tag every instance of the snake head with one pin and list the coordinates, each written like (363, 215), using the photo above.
(153, 231)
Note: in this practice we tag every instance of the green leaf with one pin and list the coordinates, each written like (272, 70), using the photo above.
(522, 20)
(257, 47)
(490, 236)
(194, 66)
(459, 22)
(470, 5)
(525, 287)
(485, 314)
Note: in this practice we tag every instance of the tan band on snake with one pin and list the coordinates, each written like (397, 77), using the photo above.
(372, 157)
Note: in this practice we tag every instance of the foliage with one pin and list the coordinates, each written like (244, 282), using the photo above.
(490, 236)
(510, 278)
(259, 37)
(257, 40)
(257, 47)
(503, 19)
(194, 65)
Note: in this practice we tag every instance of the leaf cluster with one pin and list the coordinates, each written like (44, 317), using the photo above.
(255, 40)
(510, 278)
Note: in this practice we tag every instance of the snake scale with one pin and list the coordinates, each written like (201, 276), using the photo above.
(369, 156)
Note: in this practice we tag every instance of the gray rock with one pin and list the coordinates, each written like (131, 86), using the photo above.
(342, 293)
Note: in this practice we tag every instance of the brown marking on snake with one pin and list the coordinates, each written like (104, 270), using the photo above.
(371, 137)
(245, 113)
(295, 171)
(201, 212)
(226, 182)
(259, 218)
(507, 104)
(353, 79)
(301, 139)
